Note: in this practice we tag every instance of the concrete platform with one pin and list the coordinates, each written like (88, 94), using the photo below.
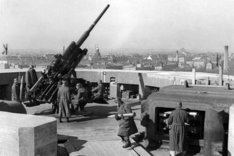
(94, 134)
(27, 135)
(107, 148)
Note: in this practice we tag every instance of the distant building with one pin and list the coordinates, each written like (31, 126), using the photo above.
(97, 55)
(4, 65)
(190, 63)
(129, 67)
(181, 62)
(209, 66)
(149, 58)
(199, 64)
(172, 58)
(158, 68)
(114, 66)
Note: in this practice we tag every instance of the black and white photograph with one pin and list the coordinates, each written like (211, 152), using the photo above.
(116, 78)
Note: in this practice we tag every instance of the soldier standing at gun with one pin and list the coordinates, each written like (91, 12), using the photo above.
(177, 120)
(15, 90)
(127, 125)
(30, 79)
(98, 91)
(81, 97)
(64, 101)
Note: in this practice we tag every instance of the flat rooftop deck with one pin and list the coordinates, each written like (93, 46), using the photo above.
(93, 134)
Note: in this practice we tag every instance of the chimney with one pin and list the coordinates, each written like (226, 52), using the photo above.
(220, 75)
(177, 56)
(225, 67)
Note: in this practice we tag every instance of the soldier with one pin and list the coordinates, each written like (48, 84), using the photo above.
(64, 100)
(127, 125)
(98, 91)
(81, 97)
(176, 121)
(30, 79)
(15, 90)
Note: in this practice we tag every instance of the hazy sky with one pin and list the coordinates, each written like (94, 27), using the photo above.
(158, 24)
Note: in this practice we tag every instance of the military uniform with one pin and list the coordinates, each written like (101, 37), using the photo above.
(64, 101)
(80, 99)
(127, 125)
(98, 92)
(30, 78)
(15, 90)
(177, 120)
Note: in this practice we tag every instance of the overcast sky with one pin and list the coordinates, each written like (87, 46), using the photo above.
(158, 24)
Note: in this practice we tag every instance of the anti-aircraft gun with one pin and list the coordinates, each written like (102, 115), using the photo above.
(45, 89)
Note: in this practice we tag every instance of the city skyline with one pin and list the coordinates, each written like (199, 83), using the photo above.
(132, 24)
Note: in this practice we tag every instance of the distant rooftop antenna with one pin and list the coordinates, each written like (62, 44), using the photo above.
(5, 46)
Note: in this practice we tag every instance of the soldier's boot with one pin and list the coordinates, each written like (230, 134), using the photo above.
(127, 144)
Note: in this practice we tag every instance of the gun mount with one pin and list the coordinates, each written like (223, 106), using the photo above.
(208, 109)
(63, 66)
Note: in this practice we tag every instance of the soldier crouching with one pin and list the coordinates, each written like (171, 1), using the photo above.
(127, 125)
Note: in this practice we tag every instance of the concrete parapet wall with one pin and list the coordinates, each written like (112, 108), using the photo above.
(27, 135)
(123, 76)
(151, 78)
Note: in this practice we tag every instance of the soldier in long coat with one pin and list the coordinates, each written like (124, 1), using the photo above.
(30, 77)
(15, 90)
(30, 80)
(64, 101)
(127, 125)
(176, 121)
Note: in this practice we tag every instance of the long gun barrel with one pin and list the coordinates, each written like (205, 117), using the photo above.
(86, 33)
(68, 61)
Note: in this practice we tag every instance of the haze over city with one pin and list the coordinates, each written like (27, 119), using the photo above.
(153, 24)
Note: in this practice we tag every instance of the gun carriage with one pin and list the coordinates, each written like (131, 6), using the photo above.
(62, 67)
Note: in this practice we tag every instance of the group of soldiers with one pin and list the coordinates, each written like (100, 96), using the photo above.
(77, 100)
(71, 97)
(69, 101)
(30, 79)
(176, 121)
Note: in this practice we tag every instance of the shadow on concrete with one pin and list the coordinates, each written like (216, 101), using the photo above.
(98, 112)
(101, 110)
(92, 112)
(100, 101)
(69, 144)
(44, 112)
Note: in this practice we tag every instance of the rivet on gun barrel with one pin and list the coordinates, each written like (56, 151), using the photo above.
(45, 89)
